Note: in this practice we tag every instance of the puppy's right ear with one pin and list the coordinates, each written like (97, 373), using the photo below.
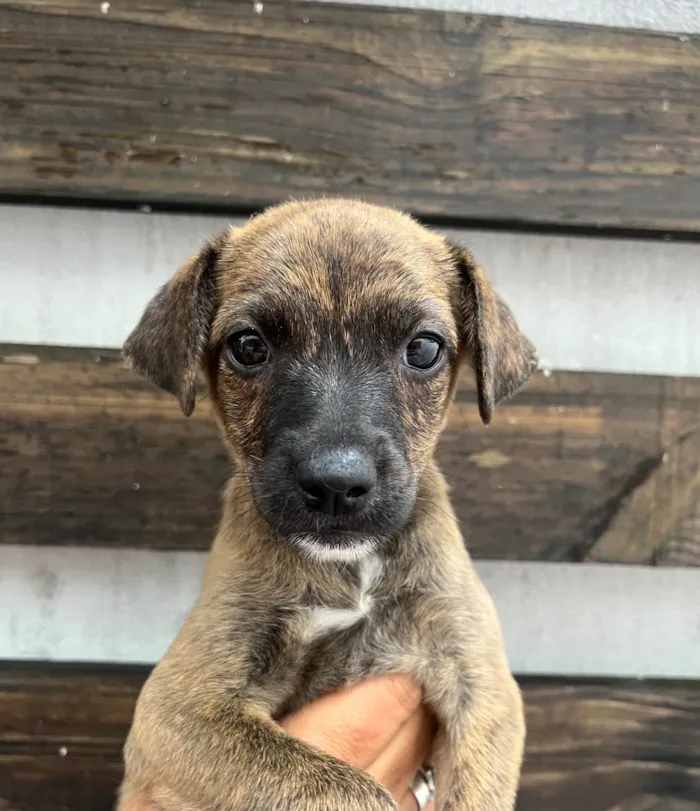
(167, 345)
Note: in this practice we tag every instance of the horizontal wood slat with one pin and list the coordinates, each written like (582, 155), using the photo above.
(591, 747)
(447, 114)
(579, 466)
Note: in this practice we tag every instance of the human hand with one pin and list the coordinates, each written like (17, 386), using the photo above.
(378, 725)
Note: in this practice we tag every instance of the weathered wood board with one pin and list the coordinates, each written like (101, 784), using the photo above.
(579, 466)
(591, 747)
(447, 114)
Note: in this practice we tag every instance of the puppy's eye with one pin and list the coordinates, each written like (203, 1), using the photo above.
(423, 352)
(247, 348)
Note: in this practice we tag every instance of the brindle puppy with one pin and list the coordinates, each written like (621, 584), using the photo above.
(331, 333)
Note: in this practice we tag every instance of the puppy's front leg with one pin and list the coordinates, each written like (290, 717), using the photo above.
(244, 762)
(235, 758)
(479, 749)
(480, 769)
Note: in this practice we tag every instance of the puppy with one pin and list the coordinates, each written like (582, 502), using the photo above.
(331, 334)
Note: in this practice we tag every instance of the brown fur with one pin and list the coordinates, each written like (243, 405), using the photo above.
(204, 735)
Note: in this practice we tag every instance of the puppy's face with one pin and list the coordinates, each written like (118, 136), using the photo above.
(331, 333)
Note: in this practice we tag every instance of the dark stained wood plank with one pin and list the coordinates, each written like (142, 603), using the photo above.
(591, 747)
(93, 455)
(649, 802)
(548, 478)
(455, 115)
(605, 746)
(61, 733)
(667, 499)
(683, 546)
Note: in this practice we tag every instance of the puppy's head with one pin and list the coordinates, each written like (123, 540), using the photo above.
(331, 333)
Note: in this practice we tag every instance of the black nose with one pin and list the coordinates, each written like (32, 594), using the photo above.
(337, 482)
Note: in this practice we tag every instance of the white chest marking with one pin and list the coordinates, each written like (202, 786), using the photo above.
(323, 620)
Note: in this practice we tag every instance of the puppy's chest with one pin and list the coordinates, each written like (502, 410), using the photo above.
(329, 646)
(320, 619)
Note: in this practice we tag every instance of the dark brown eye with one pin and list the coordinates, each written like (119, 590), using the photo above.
(423, 352)
(247, 348)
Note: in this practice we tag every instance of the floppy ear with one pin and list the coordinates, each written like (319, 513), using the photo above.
(502, 357)
(168, 343)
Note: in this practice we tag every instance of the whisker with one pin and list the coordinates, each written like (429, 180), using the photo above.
(442, 510)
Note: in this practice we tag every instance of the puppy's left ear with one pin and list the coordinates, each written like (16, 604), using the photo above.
(168, 343)
(502, 357)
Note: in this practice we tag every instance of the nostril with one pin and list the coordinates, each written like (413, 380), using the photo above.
(357, 492)
(314, 491)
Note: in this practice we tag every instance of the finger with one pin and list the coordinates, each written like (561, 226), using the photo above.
(356, 724)
(409, 804)
(410, 749)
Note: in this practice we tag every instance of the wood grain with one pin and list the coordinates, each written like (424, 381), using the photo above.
(591, 747)
(446, 114)
(599, 747)
(93, 455)
(61, 733)
(643, 527)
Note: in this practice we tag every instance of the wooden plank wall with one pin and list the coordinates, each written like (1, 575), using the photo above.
(223, 106)
(455, 115)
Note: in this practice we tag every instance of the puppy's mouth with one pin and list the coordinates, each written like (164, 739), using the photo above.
(339, 546)
(370, 527)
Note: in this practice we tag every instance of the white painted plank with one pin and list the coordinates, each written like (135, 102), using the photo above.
(93, 604)
(82, 278)
(558, 619)
(655, 15)
(603, 305)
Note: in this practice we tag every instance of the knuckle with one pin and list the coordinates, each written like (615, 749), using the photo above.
(405, 692)
(353, 744)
